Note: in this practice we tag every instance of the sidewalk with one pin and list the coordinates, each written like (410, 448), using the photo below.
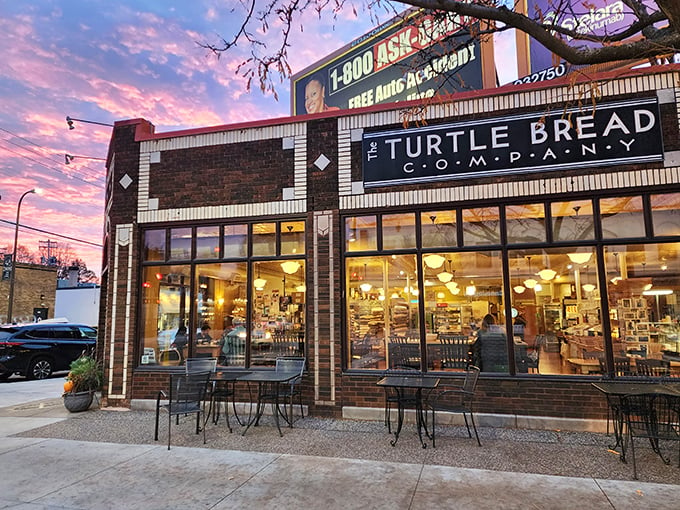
(106, 459)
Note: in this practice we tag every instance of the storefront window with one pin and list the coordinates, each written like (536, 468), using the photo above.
(398, 231)
(264, 239)
(481, 226)
(361, 233)
(165, 314)
(382, 308)
(459, 293)
(622, 217)
(180, 243)
(235, 241)
(293, 238)
(207, 242)
(573, 220)
(439, 229)
(154, 245)
(220, 312)
(557, 323)
(643, 284)
(525, 223)
(278, 320)
(666, 214)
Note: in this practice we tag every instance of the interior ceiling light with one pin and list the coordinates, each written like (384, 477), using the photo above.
(453, 288)
(301, 288)
(657, 292)
(434, 261)
(588, 287)
(290, 266)
(259, 282)
(538, 287)
(547, 274)
(470, 290)
(365, 287)
(530, 283)
(445, 276)
(519, 289)
(579, 258)
(647, 287)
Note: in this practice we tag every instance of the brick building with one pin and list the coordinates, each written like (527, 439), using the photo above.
(364, 244)
(34, 289)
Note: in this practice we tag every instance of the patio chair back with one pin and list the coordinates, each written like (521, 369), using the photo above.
(653, 367)
(288, 392)
(200, 365)
(455, 351)
(185, 395)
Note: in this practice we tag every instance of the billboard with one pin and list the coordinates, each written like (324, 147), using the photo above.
(385, 65)
(595, 17)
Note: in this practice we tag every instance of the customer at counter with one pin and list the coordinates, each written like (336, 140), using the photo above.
(204, 336)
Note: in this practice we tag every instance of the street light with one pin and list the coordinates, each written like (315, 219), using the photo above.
(14, 255)
(71, 120)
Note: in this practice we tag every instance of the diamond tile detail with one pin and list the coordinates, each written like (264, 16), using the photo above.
(322, 162)
(125, 181)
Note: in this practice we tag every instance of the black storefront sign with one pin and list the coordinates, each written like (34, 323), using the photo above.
(622, 132)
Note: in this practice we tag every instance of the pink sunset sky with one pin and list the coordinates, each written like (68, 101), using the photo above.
(107, 61)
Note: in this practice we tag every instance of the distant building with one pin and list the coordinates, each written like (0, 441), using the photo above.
(34, 293)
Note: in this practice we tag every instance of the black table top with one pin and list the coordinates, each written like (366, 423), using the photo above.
(409, 381)
(228, 375)
(269, 376)
(637, 388)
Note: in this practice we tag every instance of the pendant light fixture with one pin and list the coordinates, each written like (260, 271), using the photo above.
(445, 276)
(259, 282)
(530, 283)
(365, 287)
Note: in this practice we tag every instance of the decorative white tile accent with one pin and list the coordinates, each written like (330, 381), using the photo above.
(125, 181)
(288, 143)
(666, 96)
(322, 162)
(153, 204)
(671, 158)
(357, 188)
(289, 193)
(155, 157)
(356, 135)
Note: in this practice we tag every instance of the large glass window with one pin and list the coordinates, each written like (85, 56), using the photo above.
(398, 231)
(556, 318)
(383, 327)
(200, 307)
(278, 317)
(458, 295)
(643, 284)
(361, 233)
(165, 296)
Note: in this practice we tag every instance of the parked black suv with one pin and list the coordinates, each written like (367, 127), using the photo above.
(37, 350)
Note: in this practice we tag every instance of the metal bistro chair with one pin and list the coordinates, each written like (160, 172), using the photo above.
(653, 367)
(458, 400)
(455, 351)
(186, 395)
(193, 365)
(290, 390)
(652, 417)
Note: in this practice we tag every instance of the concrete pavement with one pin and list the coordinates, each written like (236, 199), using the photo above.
(55, 473)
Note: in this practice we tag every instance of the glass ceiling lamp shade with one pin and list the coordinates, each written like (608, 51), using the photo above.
(519, 289)
(290, 266)
(434, 261)
(259, 282)
(657, 292)
(588, 287)
(579, 258)
(453, 288)
(470, 290)
(365, 287)
(538, 287)
(547, 274)
(530, 283)
(445, 277)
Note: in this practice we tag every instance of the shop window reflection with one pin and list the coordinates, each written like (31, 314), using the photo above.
(481, 226)
(525, 223)
(398, 231)
(666, 214)
(207, 242)
(361, 233)
(573, 220)
(622, 217)
(180, 243)
(293, 238)
(235, 241)
(154, 245)
(439, 229)
(264, 239)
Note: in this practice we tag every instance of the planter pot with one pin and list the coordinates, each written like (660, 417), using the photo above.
(77, 402)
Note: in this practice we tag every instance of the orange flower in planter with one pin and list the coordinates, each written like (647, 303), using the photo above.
(68, 386)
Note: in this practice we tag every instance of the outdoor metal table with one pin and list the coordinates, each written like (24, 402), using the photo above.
(403, 385)
(226, 378)
(616, 390)
(268, 386)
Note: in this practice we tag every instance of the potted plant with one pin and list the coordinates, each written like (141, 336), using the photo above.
(83, 380)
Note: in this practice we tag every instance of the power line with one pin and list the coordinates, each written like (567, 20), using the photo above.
(93, 174)
(25, 227)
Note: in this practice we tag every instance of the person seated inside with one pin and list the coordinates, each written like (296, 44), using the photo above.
(490, 349)
(204, 336)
